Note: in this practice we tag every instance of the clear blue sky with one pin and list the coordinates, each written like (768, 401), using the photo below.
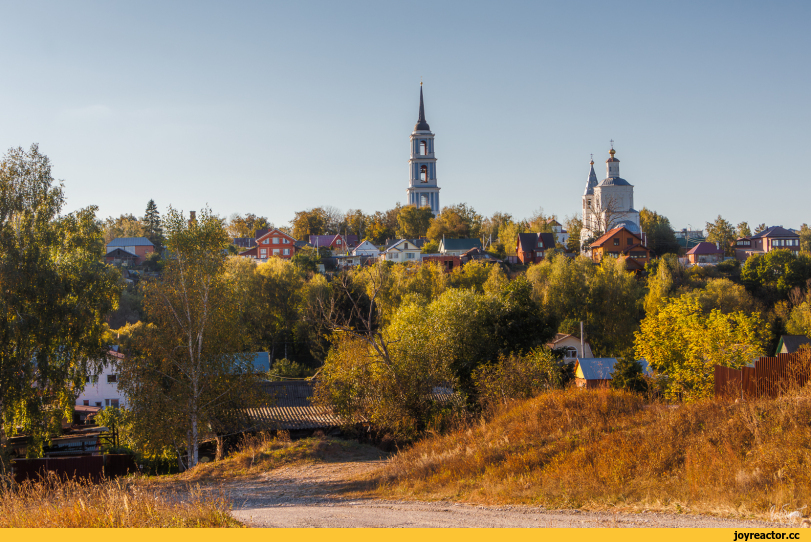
(274, 107)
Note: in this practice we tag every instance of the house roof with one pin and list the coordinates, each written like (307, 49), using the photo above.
(323, 240)
(130, 242)
(244, 242)
(775, 231)
(272, 232)
(461, 244)
(596, 368)
(396, 245)
(705, 248)
(793, 342)
(527, 241)
(610, 233)
(121, 252)
(634, 247)
(261, 362)
(422, 125)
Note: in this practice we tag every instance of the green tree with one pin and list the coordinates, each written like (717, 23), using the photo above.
(805, 238)
(661, 283)
(721, 231)
(660, 235)
(778, 270)
(152, 225)
(573, 226)
(413, 222)
(275, 309)
(54, 296)
(760, 227)
(246, 226)
(629, 375)
(684, 344)
(186, 369)
(799, 321)
(456, 222)
(123, 226)
(356, 222)
(742, 230)
(311, 222)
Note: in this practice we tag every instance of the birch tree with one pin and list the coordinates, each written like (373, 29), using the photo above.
(186, 370)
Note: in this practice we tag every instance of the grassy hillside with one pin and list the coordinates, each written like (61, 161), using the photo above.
(599, 449)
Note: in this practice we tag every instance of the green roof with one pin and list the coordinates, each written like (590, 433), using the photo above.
(461, 244)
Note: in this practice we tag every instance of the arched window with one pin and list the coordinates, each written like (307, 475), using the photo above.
(423, 174)
(423, 147)
(424, 200)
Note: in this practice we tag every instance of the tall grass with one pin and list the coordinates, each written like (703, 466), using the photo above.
(124, 502)
(603, 448)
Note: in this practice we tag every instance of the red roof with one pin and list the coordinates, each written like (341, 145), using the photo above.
(610, 233)
(705, 248)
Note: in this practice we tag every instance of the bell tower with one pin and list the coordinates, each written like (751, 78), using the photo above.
(422, 188)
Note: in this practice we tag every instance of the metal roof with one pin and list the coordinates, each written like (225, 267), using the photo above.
(460, 244)
(615, 181)
(705, 248)
(597, 368)
(130, 242)
(775, 231)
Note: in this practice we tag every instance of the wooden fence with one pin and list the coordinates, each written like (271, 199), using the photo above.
(769, 377)
(92, 467)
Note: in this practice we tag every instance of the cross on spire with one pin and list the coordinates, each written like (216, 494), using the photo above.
(612, 144)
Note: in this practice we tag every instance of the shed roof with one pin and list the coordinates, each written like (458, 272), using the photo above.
(596, 368)
(130, 242)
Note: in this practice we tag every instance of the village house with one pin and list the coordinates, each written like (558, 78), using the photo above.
(572, 345)
(273, 243)
(132, 250)
(592, 373)
(769, 239)
(101, 390)
(561, 235)
(366, 249)
(457, 247)
(402, 251)
(705, 252)
(532, 247)
(621, 243)
(789, 344)
(338, 244)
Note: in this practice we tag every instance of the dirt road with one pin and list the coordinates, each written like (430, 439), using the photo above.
(315, 495)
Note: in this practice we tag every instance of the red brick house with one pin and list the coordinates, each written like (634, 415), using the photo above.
(273, 243)
(766, 241)
(132, 249)
(531, 247)
(621, 243)
(705, 252)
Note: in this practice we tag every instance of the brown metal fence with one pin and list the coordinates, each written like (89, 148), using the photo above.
(91, 467)
(769, 377)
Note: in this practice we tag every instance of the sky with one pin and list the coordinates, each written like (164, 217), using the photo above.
(276, 107)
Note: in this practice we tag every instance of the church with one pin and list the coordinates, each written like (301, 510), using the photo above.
(422, 186)
(609, 203)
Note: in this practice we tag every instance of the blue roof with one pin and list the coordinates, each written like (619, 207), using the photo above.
(597, 368)
(130, 242)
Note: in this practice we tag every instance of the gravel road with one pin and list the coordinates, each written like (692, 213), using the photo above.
(315, 495)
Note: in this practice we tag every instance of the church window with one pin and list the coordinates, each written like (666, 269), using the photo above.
(423, 200)
(423, 147)
(423, 174)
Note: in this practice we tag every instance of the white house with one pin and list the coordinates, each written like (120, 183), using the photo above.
(561, 235)
(401, 251)
(572, 346)
(366, 249)
(102, 390)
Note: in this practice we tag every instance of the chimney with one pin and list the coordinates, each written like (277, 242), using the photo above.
(192, 217)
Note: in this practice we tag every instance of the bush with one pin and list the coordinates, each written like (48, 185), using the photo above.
(519, 377)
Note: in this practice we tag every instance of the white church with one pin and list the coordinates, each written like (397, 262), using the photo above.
(609, 203)
(422, 185)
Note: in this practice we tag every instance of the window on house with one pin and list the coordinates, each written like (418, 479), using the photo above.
(423, 174)
(98, 403)
(265, 241)
(275, 251)
(616, 242)
(86, 402)
(112, 378)
(410, 255)
(630, 241)
(338, 242)
(571, 352)
(93, 379)
(263, 251)
(286, 252)
(540, 243)
(111, 402)
(285, 241)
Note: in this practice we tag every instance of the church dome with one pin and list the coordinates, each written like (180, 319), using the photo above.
(628, 224)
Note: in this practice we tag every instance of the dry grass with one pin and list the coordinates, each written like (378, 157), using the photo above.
(608, 449)
(124, 502)
(263, 452)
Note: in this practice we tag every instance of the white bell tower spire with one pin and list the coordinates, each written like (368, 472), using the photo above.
(422, 186)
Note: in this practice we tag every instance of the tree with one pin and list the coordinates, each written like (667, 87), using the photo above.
(186, 369)
(660, 235)
(456, 222)
(380, 229)
(760, 227)
(723, 233)
(573, 226)
(491, 226)
(742, 230)
(805, 238)
(246, 226)
(628, 375)
(123, 226)
(661, 283)
(683, 344)
(275, 308)
(539, 222)
(799, 321)
(356, 222)
(54, 296)
(413, 221)
(778, 270)
(310, 222)
(152, 225)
